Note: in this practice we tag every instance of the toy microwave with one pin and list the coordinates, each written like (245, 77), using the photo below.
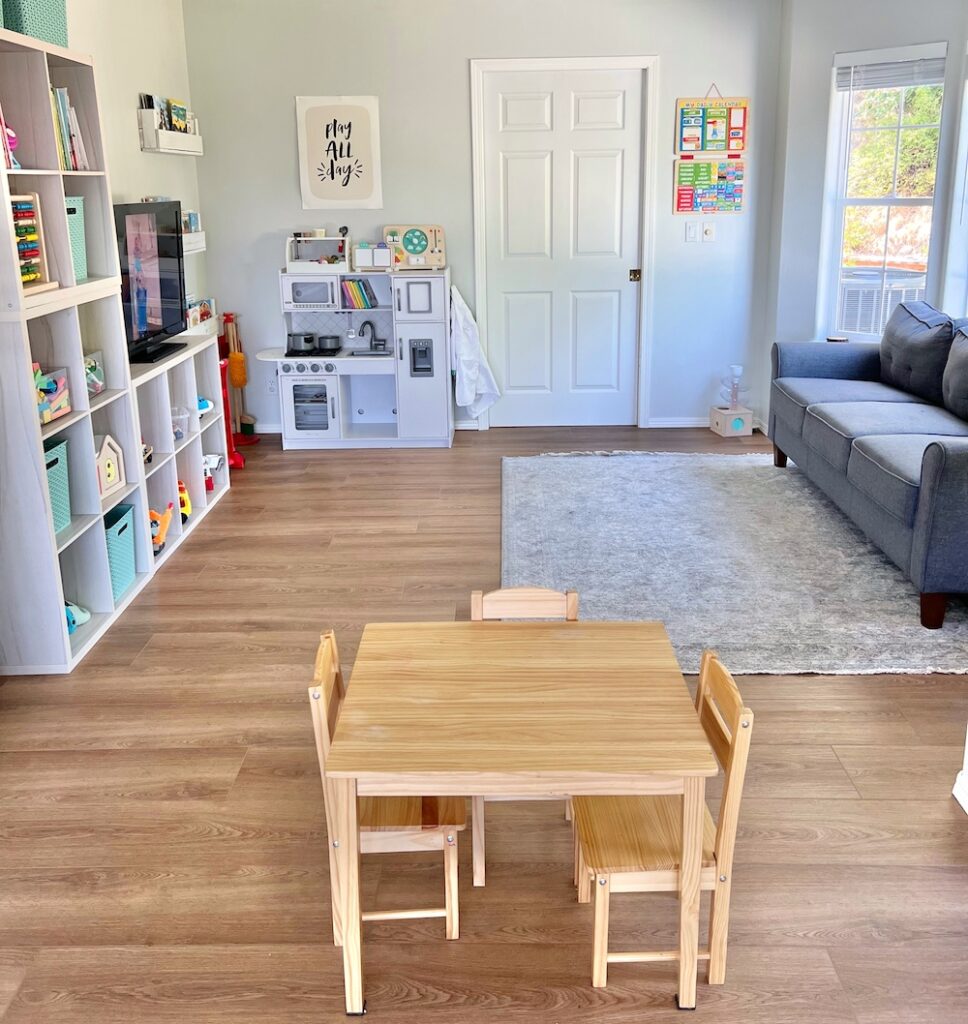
(416, 246)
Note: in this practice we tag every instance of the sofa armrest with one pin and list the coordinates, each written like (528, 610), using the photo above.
(939, 552)
(850, 361)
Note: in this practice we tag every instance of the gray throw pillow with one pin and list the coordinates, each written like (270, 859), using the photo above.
(914, 350)
(955, 381)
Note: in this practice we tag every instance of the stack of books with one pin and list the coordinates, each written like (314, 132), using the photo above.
(70, 144)
(359, 295)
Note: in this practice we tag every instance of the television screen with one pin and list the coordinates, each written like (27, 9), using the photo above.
(152, 276)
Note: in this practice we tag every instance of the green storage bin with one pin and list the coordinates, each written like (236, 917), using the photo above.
(119, 528)
(58, 483)
(75, 228)
(42, 19)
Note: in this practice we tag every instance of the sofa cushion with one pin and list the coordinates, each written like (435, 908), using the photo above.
(914, 349)
(830, 427)
(887, 468)
(954, 385)
(792, 395)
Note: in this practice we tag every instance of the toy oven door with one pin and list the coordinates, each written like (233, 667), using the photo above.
(309, 407)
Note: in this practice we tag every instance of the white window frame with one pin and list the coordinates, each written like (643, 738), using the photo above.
(836, 202)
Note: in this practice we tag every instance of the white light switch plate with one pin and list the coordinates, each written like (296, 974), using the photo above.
(708, 231)
(692, 231)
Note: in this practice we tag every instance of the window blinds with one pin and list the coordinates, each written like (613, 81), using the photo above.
(891, 74)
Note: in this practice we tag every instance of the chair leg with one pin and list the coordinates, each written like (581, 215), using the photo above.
(477, 825)
(451, 898)
(779, 458)
(718, 932)
(584, 879)
(600, 940)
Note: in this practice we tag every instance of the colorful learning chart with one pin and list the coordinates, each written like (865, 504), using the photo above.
(715, 125)
(709, 186)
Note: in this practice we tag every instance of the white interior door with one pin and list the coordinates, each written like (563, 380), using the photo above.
(562, 195)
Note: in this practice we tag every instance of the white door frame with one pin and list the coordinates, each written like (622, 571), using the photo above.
(649, 66)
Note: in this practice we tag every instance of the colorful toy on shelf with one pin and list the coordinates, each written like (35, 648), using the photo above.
(53, 394)
(179, 422)
(75, 615)
(159, 522)
(110, 465)
(184, 502)
(10, 144)
(94, 373)
(147, 452)
(210, 465)
(205, 405)
(29, 231)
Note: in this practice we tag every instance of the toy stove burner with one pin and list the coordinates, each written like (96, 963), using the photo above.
(316, 352)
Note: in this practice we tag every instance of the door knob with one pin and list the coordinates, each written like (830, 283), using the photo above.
(635, 275)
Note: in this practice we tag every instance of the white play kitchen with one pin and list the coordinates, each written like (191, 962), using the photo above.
(367, 360)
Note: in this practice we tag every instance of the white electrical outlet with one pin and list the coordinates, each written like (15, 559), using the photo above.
(708, 231)
(272, 385)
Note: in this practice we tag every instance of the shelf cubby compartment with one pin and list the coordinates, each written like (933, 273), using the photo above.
(82, 478)
(213, 443)
(86, 581)
(208, 382)
(55, 343)
(54, 235)
(154, 412)
(78, 79)
(102, 330)
(99, 236)
(116, 419)
(25, 100)
(184, 394)
(188, 465)
(162, 487)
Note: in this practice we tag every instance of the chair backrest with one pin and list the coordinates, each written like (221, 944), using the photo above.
(326, 696)
(524, 603)
(728, 725)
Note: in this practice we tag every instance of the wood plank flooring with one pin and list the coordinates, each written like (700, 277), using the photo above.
(161, 825)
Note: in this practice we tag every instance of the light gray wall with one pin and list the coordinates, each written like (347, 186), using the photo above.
(138, 46)
(249, 59)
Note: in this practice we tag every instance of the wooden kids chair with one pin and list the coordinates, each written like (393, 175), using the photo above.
(515, 603)
(633, 843)
(387, 824)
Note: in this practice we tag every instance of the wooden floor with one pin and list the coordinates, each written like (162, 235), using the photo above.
(161, 839)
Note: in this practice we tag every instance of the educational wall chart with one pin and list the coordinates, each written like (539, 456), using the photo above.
(709, 186)
(717, 124)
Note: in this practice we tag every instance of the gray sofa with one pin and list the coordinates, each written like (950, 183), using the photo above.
(883, 431)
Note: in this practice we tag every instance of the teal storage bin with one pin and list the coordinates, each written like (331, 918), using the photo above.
(42, 19)
(58, 483)
(75, 228)
(119, 527)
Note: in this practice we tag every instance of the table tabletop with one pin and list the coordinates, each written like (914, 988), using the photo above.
(468, 708)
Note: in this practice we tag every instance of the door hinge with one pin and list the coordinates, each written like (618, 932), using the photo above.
(635, 275)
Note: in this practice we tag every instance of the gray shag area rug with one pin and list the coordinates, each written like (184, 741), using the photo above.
(729, 552)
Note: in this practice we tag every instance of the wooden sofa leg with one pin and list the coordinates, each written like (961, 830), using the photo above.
(779, 458)
(933, 607)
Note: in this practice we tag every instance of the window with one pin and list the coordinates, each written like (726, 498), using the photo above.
(888, 125)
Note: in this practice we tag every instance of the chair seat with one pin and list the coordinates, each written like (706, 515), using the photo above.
(636, 833)
(412, 813)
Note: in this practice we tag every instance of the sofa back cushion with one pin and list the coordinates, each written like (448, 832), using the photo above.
(955, 380)
(914, 350)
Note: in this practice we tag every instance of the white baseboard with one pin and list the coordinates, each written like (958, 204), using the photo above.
(960, 791)
(268, 428)
(467, 425)
(678, 421)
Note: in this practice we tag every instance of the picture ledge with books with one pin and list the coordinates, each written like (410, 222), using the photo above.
(167, 126)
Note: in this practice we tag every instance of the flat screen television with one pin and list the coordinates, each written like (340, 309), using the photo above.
(152, 277)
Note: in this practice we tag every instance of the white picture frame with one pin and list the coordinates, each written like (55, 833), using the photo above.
(339, 152)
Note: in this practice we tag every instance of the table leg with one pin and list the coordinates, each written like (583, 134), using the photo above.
(690, 870)
(346, 846)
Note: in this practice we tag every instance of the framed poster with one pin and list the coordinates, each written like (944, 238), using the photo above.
(339, 152)
(709, 186)
(711, 125)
